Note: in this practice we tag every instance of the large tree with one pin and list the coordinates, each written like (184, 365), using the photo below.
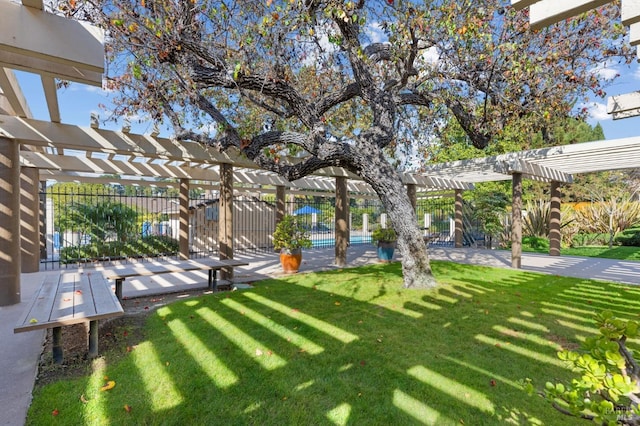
(348, 83)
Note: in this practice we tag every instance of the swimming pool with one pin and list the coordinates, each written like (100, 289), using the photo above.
(331, 241)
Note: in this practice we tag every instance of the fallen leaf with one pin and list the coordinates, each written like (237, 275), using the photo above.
(337, 303)
(497, 345)
(269, 353)
(363, 362)
(166, 363)
(127, 408)
(78, 291)
(33, 321)
(258, 352)
(493, 382)
(110, 385)
(55, 412)
(125, 333)
(83, 399)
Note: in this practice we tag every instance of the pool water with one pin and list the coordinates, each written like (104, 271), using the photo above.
(355, 239)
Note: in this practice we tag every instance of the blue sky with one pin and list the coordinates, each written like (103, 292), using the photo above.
(78, 101)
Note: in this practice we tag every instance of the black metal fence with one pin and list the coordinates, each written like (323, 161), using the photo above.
(98, 223)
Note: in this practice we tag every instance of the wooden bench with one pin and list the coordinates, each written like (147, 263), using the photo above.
(120, 273)
(67, 298)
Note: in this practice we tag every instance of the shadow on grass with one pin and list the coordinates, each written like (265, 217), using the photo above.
(349, 347)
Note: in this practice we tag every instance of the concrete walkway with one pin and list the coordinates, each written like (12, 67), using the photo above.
(19, 353)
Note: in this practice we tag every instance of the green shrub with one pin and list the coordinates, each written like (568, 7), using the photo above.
(605, 389)
(153, 245)
(584, 239)
(385, 235)
(629, 237)
(291, 234)
(536, 222)
(536, 243)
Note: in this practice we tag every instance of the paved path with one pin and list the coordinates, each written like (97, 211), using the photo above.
(19, 353)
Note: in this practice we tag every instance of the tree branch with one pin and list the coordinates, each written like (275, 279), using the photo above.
(479, 138)
(276, 88)
(633, 369)
(292, 172)
(332, 99)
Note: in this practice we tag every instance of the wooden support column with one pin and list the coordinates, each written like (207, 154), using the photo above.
(516, 221)
(458, 219)
(342, 221)
(29, 219)
(183, 232)
(225, 224)
(411, 193)
(10, 262)
(43, 220)
(280, 203)
(555, 234)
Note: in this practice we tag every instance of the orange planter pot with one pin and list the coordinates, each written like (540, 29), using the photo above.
(291, 262)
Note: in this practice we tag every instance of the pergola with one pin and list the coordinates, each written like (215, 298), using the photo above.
(31, 150)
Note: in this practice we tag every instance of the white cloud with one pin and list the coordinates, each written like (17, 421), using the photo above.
(375, 33)
(431, 55)
(606, 71)
(597, 111)
(313, 53)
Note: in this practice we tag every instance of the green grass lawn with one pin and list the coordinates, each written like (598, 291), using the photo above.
(616, 252)
(345, 347)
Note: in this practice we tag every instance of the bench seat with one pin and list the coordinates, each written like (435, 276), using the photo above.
(67, 298)
(121, 272)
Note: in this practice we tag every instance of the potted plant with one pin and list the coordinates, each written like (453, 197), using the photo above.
(290, 237)
(385, 239)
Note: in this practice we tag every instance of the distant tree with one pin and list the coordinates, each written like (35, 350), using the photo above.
(101, 219)
(349, 83)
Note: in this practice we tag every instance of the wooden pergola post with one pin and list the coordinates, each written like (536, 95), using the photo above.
(458, 219)
(516, 221)
(10, 262)
(183, 219)
(280, 203)
(30, 219)
(342, 221)
(42, 220)
(225, 223)
(555, 234)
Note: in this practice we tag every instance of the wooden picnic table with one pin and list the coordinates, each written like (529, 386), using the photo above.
(121, 272)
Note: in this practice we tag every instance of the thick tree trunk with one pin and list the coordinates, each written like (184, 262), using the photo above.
(387, 184)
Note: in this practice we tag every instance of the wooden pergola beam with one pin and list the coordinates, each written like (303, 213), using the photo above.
(41, 42)
(546, 12)
(12, 91)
